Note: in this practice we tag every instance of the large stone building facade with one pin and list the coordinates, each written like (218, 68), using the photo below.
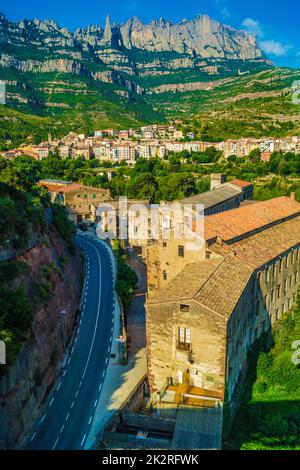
(203, 319)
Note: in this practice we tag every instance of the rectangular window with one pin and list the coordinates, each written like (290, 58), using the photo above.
(184, 308)
(267, 275)
(164, 244)
(184, 338)
(165, 275)
(181, 251)
(278, 291)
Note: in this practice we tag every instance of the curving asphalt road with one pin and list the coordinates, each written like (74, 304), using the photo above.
(68, 414)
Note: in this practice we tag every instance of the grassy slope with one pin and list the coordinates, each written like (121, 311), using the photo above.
(222, 113)
(225, 112)
(269, 417)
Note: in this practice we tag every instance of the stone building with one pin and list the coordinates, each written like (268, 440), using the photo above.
(81, 201)
(202, 321)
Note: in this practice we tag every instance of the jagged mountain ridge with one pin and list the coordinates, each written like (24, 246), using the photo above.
(110, 75)
(196, 40)
(201, 37)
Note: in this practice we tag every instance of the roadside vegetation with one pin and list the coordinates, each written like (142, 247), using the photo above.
(175, 177)
(126, 279)
(269, 415)
(25, 211)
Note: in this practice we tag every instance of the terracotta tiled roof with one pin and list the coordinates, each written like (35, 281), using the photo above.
(61, 189)
(263, 247)
(216, 283)
(225, 286)
(70, 188)
(241, 184)
(237, 222)
(187, 283)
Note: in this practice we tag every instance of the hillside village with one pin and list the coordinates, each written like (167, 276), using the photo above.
(109, 145)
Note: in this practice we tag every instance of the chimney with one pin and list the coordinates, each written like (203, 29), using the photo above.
(217, 179)
(293, 196)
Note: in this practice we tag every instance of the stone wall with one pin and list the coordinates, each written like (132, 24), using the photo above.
(204, 365)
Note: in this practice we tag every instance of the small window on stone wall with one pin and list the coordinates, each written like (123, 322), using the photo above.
(184, 308)
(181, 251)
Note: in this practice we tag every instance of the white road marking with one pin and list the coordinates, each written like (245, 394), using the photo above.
(103, 374)
(64, 372)
(90, 420)
(43, 418)
(83, 439)
(95, 404)
(55, 443)
(106, 360)
(98, 310)
(52, 399)
(100, 386)
(58, 387)
(69, 360)
(62, 428)
(77, 394)
(68, 415)
(72, 404)
(33, 437)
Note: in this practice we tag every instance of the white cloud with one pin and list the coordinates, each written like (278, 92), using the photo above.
(269, 46)
(252, 26)
(130, 5)
(224, 10)
(275, 48)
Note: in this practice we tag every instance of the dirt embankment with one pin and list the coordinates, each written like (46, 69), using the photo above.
(57, 276)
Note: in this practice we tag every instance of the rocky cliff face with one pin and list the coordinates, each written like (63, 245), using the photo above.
(119, 64)
(27, 381)
(201, 38)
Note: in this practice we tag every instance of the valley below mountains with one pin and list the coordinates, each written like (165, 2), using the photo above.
(127, 75)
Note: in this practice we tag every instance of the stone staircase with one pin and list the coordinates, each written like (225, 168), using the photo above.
(146, 408)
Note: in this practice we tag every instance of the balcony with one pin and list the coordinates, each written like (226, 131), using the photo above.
(182, 346)
(186, 394)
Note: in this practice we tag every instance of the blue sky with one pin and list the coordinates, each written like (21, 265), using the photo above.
(276, 23)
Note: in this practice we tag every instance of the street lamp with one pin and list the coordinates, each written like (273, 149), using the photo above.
(63, 313)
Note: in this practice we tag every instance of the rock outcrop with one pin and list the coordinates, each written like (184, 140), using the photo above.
(25, 384)
(131, 60)
(200, 38)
